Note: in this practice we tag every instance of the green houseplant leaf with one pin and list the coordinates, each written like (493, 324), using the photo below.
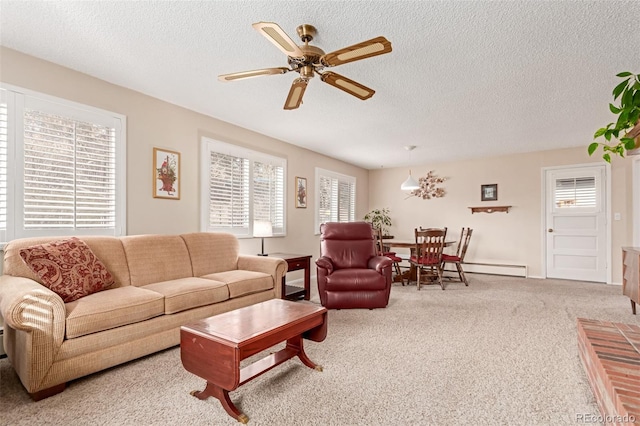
(379, 219)
(627, 115)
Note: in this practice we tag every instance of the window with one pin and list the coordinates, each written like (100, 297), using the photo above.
(61, 167)
(335, 197)
(240, 186)
(575, 192)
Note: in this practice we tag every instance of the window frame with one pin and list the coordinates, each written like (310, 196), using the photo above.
(17, 98)
(319, 173)
(208, 145)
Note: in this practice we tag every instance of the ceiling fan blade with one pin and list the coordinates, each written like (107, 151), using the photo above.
(294, 99)
(254, 73)
(366, 49)
(347, 85)
(277, 36)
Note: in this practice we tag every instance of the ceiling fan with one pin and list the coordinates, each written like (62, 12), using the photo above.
(309, 60)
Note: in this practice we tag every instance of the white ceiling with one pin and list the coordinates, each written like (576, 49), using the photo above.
(465, 79)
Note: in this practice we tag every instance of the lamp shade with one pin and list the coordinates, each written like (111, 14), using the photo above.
(262, 228)
(410, 184)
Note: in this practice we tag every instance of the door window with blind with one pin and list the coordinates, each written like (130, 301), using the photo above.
(62, 167)
(241, 186)
(335, 197)
(575, 192)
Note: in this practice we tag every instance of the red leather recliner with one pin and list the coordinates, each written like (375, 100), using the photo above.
(350, 273)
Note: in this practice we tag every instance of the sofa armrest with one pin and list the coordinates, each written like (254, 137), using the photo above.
(379, 263)
(35, 311)
(273, 266)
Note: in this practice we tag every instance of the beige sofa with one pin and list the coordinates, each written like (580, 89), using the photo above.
(161, 282)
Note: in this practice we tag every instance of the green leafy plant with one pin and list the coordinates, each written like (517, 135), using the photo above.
(628, 91)
(379, 219)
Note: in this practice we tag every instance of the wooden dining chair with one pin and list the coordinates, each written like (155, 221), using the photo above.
(427, 256)
(458, 258)
(382, 251)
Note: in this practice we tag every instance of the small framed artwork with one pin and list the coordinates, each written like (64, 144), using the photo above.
(166, 174)
(301, 192)
(489, 192)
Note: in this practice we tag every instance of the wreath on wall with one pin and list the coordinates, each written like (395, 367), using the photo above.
(429, 187)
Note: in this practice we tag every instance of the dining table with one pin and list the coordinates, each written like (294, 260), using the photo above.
(409, 275)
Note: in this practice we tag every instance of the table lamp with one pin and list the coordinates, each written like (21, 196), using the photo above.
(261, 229)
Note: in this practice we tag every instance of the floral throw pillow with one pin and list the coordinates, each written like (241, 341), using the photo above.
(68, 267)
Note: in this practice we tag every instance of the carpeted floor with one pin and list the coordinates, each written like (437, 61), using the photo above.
(502, 351)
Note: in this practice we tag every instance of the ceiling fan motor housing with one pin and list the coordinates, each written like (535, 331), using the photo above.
(309, 63)
(306, 32)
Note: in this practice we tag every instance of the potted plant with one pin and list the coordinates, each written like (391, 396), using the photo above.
(627, 124)
(379, 219)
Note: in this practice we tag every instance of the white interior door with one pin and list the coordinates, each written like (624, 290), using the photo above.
(576, 221)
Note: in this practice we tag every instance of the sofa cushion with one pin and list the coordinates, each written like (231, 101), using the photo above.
(110, 251)
(187, 293)
(112, 308)
(68, 267)
(212, 252)
(242, 282)
(155, 258)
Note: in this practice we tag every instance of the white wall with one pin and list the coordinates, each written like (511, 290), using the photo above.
(514, 237)
(155, 123)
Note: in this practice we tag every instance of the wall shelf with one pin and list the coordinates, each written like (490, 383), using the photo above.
(491, 209)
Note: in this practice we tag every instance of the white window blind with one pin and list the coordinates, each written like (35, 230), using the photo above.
(268, 193)
(241, 186)
(228, 192)
(68, 171)
(575, 192)
(3, 164)
(335, 197)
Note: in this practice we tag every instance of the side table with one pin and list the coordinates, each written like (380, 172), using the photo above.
(296, 262)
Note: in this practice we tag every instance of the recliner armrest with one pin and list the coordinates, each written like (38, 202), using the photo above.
(325, 263)
(379, 263)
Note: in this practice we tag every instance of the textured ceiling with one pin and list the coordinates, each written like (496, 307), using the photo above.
(465, 79)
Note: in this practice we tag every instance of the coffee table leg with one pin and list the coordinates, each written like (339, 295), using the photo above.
(223, 396)
(295, 343)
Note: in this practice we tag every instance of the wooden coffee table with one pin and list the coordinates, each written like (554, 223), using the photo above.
(212, 348)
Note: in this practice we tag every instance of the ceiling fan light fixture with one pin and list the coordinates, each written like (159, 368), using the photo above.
(308, 60)
(410, 184)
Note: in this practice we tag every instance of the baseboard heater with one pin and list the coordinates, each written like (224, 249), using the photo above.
(486, 267)
(495, 268)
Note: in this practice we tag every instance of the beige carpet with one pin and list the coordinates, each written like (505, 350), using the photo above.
(501, 351)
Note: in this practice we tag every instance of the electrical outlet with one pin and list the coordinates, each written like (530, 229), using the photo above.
(616, 216)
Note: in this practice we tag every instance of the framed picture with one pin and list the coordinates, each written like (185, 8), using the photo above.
(489, 192)
(166, 174)
(301, 192)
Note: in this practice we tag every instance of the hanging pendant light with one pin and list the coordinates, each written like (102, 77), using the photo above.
(410, 184)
